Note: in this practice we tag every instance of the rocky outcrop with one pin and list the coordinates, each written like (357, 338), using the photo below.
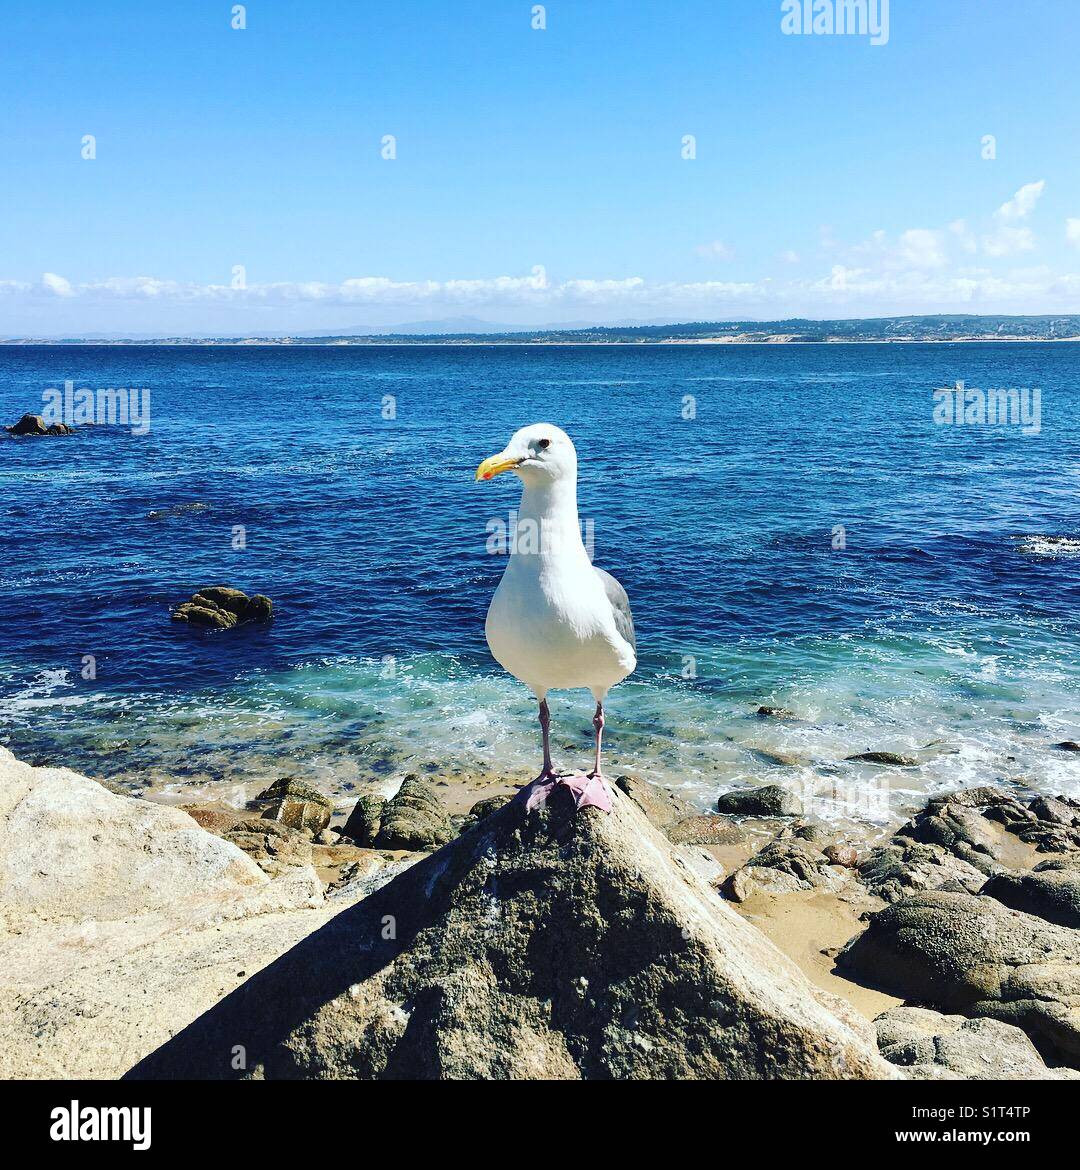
(296, 805)
(932, 1046)
(414, 818)
(785, 866)
(658, 804)
(903, 867)
(275, 848)
(1051, 890)
(952, 844)
(963, 953)
(219, 607)
(770, 800)
(364, 820)
(121, 921)
(1051, 824)
(34, 424)
(541, 946)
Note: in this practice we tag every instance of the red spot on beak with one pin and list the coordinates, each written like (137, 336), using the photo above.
(487, 475)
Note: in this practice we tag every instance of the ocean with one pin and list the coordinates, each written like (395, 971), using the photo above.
(793, 528)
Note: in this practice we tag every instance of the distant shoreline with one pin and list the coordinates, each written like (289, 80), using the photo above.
(447, 343)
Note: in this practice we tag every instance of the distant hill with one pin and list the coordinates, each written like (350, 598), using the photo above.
(469, 331)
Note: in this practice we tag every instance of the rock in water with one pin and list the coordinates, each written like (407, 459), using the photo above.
(890, 758)
(547, 946)
(961, 953)
(771, 800)
(29, 424)
(219, 607)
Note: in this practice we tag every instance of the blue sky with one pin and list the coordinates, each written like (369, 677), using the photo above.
(539, 174)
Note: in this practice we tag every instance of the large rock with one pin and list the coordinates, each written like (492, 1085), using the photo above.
(364, 820)
(414, 818)
(221, 608)
(275, 848)
(1051, 824)
(29, 424)
(785, 866)
(932, 1046)
(1051, 890)
(897, 869)
(547, 946)
(296, 805)
(770, 800)
(949, 845)
(968, 954)
(121, 921)
(658, 804)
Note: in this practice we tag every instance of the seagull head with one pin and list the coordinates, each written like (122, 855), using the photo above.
(538, 454)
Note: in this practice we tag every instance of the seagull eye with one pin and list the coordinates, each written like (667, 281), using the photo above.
(543, 444)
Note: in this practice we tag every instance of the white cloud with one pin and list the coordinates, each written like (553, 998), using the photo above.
(1021, 205)
(917, 270)
(716, 250)
(1008, 241)
(921, 248)
(57, 285)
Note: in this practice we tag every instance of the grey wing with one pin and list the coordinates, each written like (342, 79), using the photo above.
(620, 603)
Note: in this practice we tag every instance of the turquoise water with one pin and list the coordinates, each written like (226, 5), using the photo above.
(945, 627)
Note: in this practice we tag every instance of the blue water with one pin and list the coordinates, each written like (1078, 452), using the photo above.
(938, 629)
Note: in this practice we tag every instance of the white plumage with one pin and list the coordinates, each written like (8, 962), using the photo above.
(555, 621)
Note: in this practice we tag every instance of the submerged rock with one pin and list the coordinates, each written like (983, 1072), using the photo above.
(933, 1046)
(891, 758)
(962, 953)
(414, 818)
(546, 946)
(297, 805)
(775, 713)
(221, 608)
(771, 800)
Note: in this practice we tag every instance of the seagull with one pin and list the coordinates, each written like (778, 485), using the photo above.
(555, 620)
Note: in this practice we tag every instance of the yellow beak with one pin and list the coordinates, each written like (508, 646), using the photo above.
(494, 466)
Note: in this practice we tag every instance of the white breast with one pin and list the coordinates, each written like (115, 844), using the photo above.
(551, 625)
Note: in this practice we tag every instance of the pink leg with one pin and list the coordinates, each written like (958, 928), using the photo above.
(586, 790)
(598, 723)
(548, 771)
